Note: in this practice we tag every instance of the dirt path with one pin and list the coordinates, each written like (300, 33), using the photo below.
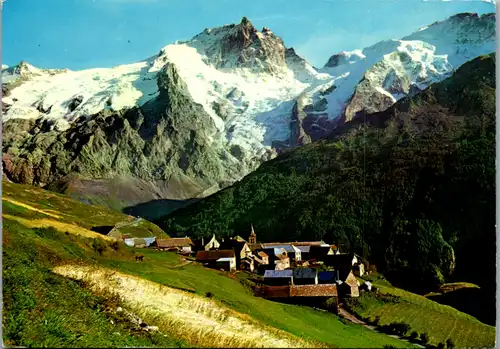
(351, 317)
(196, 319)
(355, 320)
(184, 263)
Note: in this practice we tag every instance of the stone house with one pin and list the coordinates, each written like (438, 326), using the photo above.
(263, 256)
(226, 263)
(292, 251)
(278, 277)
(282, 262)
(305, 276)
(241, 249)
(202, 245)
(348, 284)
(248, 264)
(327, 277)
(180, 245)
(217, 259)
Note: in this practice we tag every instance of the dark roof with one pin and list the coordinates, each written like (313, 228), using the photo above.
(287, 247)
(274, 243)
(307, 243)
(213, 255)
(274, 252)
(339, 260)
(232, 243)
(326, 275)
(343, 273)
(278, 273)
(304, 273)
(304, 249)
(174, 242)
(318, 252)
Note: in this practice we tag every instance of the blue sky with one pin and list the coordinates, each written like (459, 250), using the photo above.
(79, 34)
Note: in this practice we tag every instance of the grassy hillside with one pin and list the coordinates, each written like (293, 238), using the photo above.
(439, 322)
(43, 308)
(41, 229)
(35, 207)
(468, 298)
(140, 228)
(412, 188)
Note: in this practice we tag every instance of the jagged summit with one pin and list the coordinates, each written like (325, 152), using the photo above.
(241, 46)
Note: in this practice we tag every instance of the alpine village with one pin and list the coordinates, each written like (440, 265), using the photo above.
(319, 174)
(285, 269)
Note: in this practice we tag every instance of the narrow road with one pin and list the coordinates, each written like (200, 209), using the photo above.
(185, 262)
(348, 316)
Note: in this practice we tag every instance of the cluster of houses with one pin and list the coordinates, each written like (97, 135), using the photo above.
(291, 263)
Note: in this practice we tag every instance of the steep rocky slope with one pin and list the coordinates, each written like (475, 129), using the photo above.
(203, 113)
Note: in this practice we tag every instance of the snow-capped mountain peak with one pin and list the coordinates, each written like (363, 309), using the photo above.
(374, 78)
(462, 36)
(245, 79)
(247, 94)
(344, 57)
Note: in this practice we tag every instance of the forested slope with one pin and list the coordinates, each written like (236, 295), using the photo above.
(411, 188)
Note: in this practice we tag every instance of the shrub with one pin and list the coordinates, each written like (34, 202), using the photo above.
(414, 335)
(47, 233)
(450, 344)
(441, 345)
(331, 304)
(99, 246)
(115, 245)
(400, 328)
(209, 294)
(424, 338)
(386, 329)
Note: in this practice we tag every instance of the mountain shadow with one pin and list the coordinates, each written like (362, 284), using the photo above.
(155, 209)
